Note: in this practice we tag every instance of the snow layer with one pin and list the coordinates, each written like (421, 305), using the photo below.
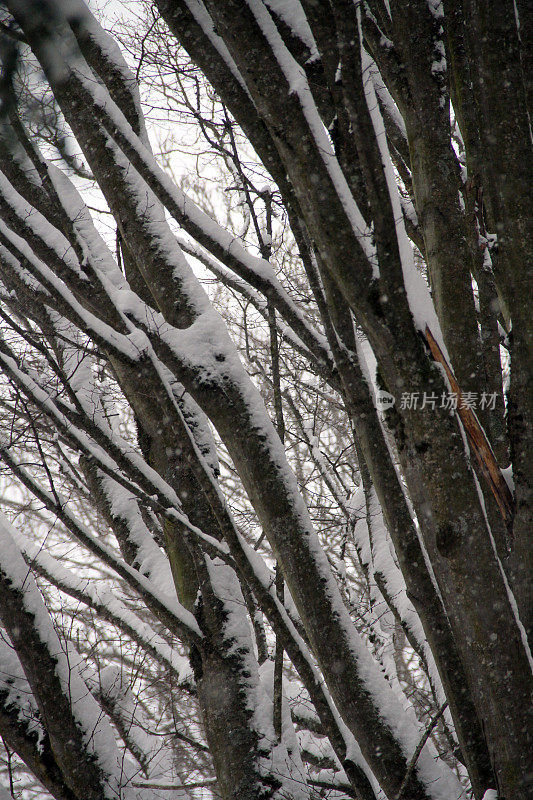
(94, 728)
(280, 759)
(18, 694)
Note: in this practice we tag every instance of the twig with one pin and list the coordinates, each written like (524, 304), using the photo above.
(419, 748)
(175, 786)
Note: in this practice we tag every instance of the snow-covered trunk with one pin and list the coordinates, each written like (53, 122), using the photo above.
(242, 420)
(436, 185)
(497, 133)
(439, 641)
(237, 715)
(520, 403)
(439, 477)
(80, 737)
(22, 730)
(370, 436)
(245, 754)
(250, 761)
(451, 246)
(433, 164)
(379, 474)
(431, 449)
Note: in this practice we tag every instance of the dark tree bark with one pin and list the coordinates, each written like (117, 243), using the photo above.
(328, 106)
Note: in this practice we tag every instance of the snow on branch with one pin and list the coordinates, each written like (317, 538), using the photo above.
(105, 602)
(83, 741)
(168, 609)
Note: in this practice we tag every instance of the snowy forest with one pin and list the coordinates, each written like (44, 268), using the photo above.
(266, 400)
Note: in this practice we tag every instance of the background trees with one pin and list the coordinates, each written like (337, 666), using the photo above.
(347, 577)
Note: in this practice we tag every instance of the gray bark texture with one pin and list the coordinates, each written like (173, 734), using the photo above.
(440, 90)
